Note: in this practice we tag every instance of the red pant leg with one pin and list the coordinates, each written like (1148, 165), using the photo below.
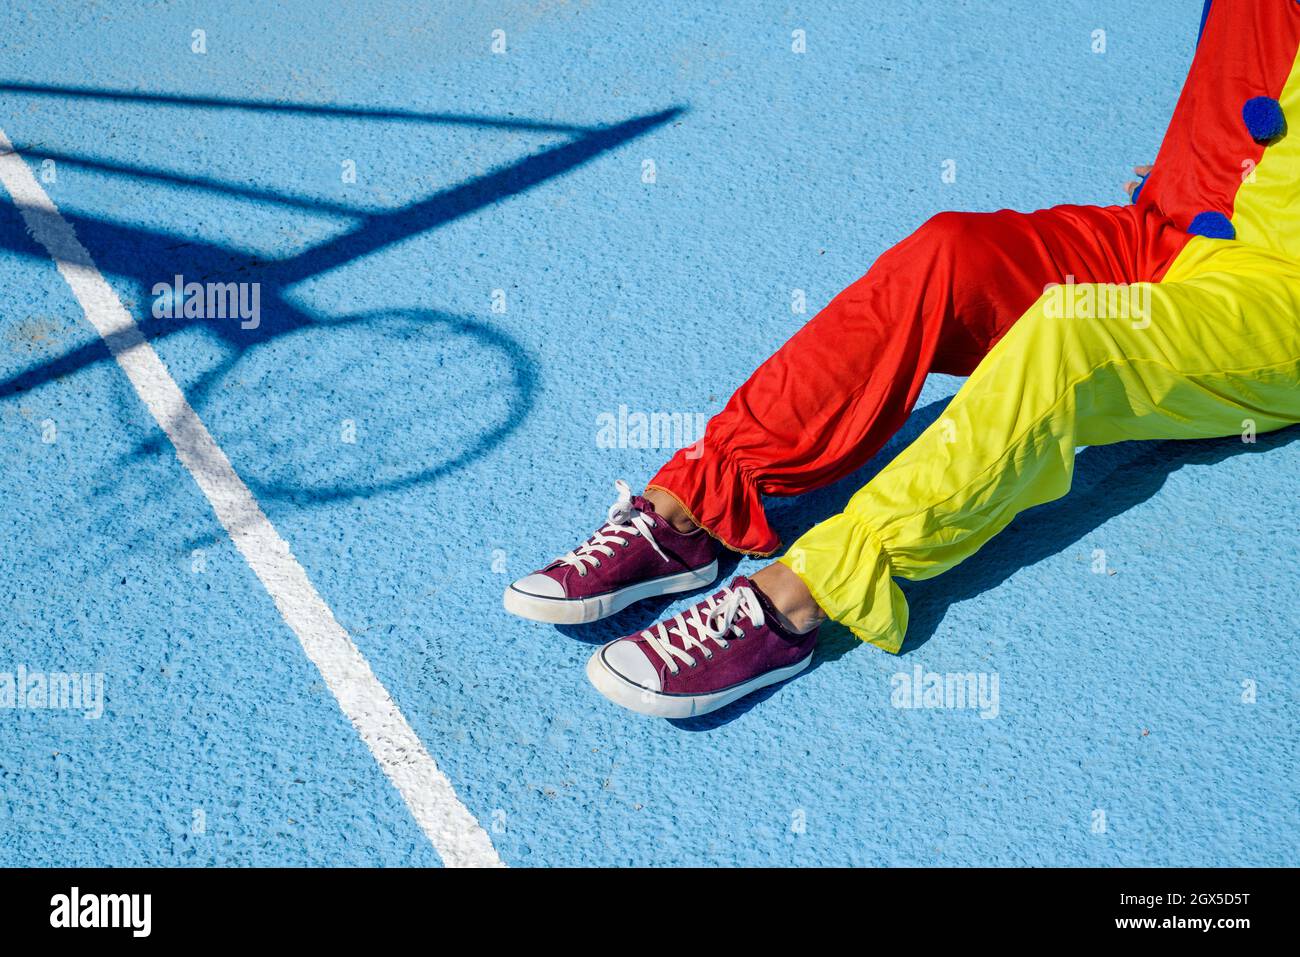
(938, 301)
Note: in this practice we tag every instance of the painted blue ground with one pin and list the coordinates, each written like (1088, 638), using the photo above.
(476, 457)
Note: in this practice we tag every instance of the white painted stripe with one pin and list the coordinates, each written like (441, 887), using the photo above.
(451, 828)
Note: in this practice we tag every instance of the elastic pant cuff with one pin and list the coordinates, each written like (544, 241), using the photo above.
(846, 568)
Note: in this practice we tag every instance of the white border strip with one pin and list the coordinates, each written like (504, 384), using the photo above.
(447, 823)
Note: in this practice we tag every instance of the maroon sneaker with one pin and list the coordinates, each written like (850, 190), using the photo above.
(707, 656)
(636, 554)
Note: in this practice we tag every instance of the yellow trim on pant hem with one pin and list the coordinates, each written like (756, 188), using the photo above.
(710, 532)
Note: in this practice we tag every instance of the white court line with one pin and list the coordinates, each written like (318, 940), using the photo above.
(447, 823)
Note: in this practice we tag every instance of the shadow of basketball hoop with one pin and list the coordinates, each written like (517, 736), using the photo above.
(367, 404)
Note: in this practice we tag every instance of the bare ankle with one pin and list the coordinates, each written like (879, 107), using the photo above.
(671, 510)
(794, 604)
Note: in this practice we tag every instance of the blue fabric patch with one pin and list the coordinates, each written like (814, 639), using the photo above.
(1212, 225)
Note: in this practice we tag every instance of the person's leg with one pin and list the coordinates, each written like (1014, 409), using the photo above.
(829, 399)
(843, 385)
(1215, 352)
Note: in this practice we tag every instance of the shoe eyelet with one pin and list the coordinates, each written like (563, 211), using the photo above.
(597, 564)
(694, 664)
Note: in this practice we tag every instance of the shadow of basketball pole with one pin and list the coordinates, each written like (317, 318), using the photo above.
(146, 255)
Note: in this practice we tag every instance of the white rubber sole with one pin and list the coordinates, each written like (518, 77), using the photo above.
(644, 701)
(582, 611)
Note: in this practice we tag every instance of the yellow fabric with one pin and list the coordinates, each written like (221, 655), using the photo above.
(1216, 352)
(1266, 211)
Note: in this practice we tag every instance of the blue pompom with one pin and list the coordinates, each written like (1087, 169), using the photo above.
(1212, 226)
(1142, 181)
(1264, 118)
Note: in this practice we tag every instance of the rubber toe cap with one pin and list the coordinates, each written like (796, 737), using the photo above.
(539, 586)
(627, 660)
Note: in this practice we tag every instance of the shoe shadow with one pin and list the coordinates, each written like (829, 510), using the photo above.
(835, 642)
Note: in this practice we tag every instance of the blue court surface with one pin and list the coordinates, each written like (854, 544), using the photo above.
(476, 229)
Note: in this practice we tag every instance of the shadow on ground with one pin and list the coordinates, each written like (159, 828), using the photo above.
(1108, 480)
(145, 257)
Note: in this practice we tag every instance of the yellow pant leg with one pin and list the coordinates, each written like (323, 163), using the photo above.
(1213, 350)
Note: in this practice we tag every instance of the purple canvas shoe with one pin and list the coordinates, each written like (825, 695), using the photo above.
(709, 655)
(636, 554)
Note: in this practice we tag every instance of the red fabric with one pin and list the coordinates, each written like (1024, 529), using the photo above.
(1247, 50)
(938, 301)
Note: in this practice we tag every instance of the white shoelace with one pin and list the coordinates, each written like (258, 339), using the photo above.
(624, 519)
(719, 619)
